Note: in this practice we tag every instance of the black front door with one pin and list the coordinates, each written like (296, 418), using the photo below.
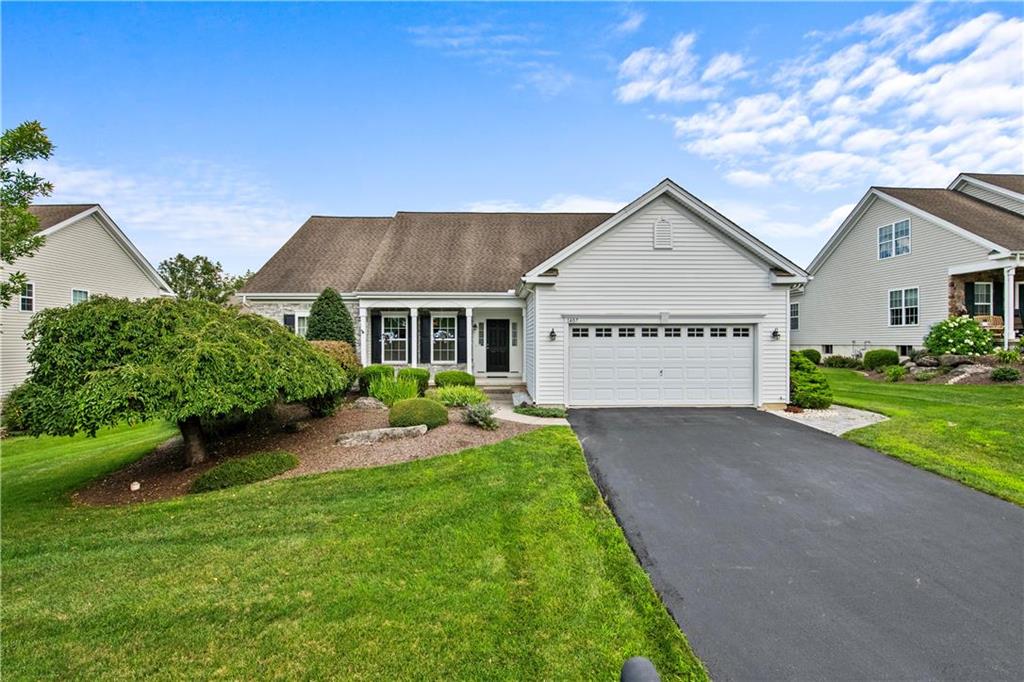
(497, 345)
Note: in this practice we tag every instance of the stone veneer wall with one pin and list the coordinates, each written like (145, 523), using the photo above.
(957, 306)
(275, 310)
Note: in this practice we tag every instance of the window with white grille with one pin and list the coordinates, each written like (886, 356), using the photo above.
(603, 332)
(719, 332)
(662, 234)
(580, 332)
(673, 332)
(741, 331)
(627, 332)
(695, 332)
(649, 332)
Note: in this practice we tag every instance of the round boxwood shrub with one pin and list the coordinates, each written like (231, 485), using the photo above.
(1005, 374)
(808, 386)
(371, 372)
(415, 411)
(812, 355)
(249, 469)
(958, 336)
(454, 377)
(418, 374)
(881, 357)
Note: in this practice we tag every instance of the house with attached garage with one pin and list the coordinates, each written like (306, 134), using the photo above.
(85, 254)
(906, 258)
(666, 302)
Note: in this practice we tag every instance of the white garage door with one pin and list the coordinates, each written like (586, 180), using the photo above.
(661, 365)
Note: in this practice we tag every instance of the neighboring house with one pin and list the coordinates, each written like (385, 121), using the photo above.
(906, 258)
(666, 302)
(85, 254)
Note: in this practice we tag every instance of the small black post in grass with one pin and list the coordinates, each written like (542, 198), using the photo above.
(639, 669)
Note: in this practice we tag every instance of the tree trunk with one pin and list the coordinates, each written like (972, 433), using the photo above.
(195, 445)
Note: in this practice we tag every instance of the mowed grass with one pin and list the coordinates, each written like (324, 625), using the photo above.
(972, 434)
(500, 562)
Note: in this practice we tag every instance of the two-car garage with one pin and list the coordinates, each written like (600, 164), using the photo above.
(636, 364)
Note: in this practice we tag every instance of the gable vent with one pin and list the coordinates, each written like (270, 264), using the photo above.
(662, 234)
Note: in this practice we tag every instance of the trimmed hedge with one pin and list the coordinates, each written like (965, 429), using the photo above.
(842, 362)
(243, 470)
(371, 372)
(415, 411)
(881, 357)
(1005, 374)
(418, 374)
(808, 386)
(458, 396)
(454, 377)
(546, 412)
(811, 354)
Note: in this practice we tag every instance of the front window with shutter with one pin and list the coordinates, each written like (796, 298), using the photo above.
(662, 234)
(983, 298)
(394, 339)
(442, 339)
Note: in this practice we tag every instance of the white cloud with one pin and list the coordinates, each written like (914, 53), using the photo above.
(632, 23)
(780, 220)
(184, 206)
(961, 37)
(559, 203)
(747, 178)
(666, 75)
(725, 65)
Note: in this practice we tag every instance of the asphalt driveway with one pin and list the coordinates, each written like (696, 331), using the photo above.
(787, 553)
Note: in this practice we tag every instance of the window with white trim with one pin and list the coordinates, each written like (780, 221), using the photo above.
(983, 298)
(442, 339)
(903, 307)
(580, 332)
(649, 332)
(794, 316)
(301, 325)
(695, 332)
(627, 332)
(741, 332)
(514, 331)
(904, 351)
(79, 296)
(894, 239)
(603, 332)
(719, 332)
(28, 297)
(826, 349)
(394, 338)
(673, 332)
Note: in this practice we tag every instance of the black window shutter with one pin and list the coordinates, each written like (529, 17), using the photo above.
(424, 339)
(460, 327)
(410, 338)
(289, 322)
(997, 298)
(969, 297)
(375, 332)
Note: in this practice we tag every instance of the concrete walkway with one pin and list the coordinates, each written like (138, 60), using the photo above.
(836, 420)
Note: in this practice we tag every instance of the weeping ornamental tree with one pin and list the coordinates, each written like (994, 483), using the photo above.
(106, 360)
(329, 319)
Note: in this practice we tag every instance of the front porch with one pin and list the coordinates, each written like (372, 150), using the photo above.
(484, 339)
(993, 294)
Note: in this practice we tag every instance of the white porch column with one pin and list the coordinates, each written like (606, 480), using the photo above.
(414, 336)
(1009, 305)
(469, 340)
(364, 338)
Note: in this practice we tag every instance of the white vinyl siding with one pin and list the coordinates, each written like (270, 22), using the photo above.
(80, 256)
(846, 300)
(1001, 200)
(530, 344)
(620, 274)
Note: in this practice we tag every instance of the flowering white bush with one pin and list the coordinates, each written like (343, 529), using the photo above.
(959, 336)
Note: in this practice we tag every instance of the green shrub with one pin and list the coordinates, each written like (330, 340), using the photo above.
(482, 415)
(12, 410)
(894, 373)
(416, 411)
(249, 469)
(881, 357)
(959, 336)
(454, 377)
(926, 375)
(389, 390)
(1008, 357)
(371, 372)
(330, 320)
(842, 362)
(458, 396)
(345, 355)
(811, 354)
(325, 405)
(547, 412)
(419, 375)
(1005, 374)
(808, 386)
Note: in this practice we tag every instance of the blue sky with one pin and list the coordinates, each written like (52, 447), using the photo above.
(218, 128)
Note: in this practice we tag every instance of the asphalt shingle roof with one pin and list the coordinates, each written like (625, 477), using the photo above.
(1014, 183)
(990, 222)
(54, 214)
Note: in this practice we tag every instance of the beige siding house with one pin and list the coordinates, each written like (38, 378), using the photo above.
(907, 258)
(665, 302)
(85, 254)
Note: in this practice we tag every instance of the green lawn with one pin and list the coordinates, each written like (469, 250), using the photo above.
(495, 563)
(973, 434)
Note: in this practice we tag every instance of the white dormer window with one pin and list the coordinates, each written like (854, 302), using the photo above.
(894, 239)
(662, 234)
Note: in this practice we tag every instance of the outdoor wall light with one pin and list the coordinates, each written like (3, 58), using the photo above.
(776, 334)
(552, 335)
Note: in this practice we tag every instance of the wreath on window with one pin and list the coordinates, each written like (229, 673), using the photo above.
(388, 337)
(443, 335)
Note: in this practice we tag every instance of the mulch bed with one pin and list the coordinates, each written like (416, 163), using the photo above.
(161, 476)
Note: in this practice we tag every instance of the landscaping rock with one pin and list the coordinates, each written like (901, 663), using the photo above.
(521, 399)
(964, 372)
(367, 403)
(909, 364)
(955, 360)
(927, 361)
(371, 436)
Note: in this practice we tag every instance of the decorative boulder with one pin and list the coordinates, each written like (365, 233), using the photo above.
(367, 403)
(927, 361)
(955, 360)
(348, 440)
